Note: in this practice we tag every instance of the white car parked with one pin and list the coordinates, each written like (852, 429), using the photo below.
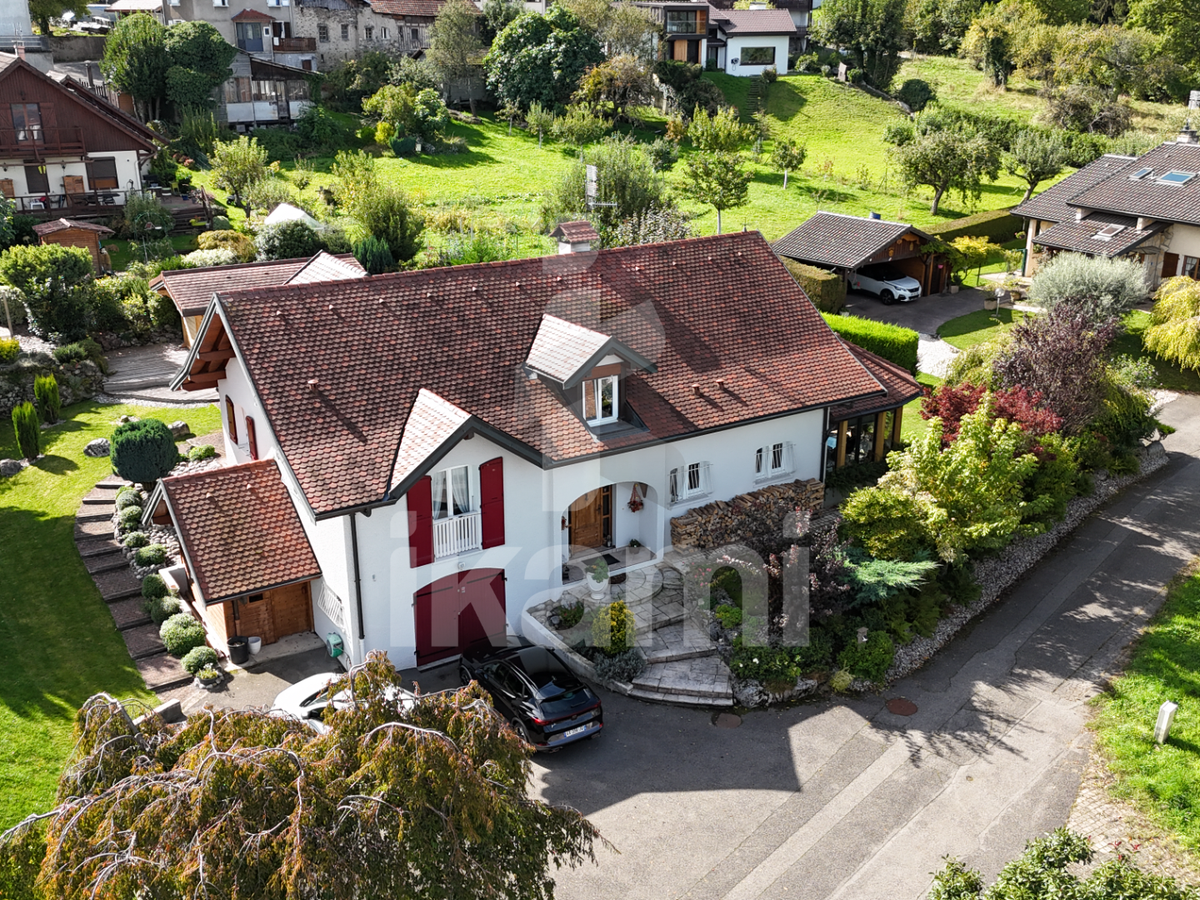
(308, 699)
(888, 285)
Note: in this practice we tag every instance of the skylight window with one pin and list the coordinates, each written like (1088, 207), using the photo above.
(1140, 174)
(1108, 232)
(1177, 178)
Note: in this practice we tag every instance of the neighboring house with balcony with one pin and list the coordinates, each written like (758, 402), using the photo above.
(457, 442)
(345, 29)
(263, 28)
(262, 92)
(738, 42)
(1145, 208)
(63, 150)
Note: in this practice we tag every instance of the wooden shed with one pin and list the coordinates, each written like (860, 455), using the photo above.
(74, 233)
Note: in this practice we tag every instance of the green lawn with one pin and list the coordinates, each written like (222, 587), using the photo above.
(56, 637)
(503, 178)
(1163, 780)
(913, 426)
(1170, 376)
(977, 327)
(121, 254)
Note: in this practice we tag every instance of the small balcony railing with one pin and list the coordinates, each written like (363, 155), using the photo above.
(459, 534)
(38, 141)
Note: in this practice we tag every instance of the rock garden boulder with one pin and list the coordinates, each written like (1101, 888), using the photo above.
(10, 467)
(180, 430)
(98, 447)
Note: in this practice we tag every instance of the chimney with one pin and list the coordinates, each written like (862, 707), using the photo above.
(1187, 134)
(19, 46)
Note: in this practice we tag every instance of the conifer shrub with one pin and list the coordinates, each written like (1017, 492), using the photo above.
(28, 430)
(143, 451)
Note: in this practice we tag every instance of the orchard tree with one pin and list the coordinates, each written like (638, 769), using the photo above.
(720, 133)
(540, 58)
(540, 121)
(1174, 332)
(455, 49)
(625, 178)
(1035, 156)
(621, 84)
(718, 178)
(990, 43)
(136, 61)
(948, 160)
(788, 156)
(240, 165)
(427, 801)
(873, 32)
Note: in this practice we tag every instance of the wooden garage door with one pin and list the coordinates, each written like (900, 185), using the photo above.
(458, 612)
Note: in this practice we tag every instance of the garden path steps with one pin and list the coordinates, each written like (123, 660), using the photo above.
(120, 589)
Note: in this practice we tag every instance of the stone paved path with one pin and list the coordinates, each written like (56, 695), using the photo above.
(120, 588)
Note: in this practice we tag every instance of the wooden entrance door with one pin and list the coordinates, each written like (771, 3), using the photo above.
(590, 518)
(458, 612)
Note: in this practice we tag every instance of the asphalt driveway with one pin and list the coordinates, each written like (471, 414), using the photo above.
(924, 315)
(845, 799)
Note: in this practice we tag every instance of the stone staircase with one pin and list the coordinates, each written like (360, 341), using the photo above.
(120, 588)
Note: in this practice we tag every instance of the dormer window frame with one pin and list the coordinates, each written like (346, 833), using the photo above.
(592, 394)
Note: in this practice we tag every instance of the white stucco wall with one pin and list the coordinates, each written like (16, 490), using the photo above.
(737, 44)
(1184, 240)
(56, 170)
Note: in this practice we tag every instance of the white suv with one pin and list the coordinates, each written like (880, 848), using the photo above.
(887, 284)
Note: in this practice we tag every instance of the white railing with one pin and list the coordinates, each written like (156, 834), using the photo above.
(331, 604)
(456, 535)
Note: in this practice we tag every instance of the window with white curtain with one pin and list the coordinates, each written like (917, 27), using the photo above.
(452, 492)
(600, 401)
(690, 481)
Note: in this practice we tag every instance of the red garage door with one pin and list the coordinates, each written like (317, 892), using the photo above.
(459, 612)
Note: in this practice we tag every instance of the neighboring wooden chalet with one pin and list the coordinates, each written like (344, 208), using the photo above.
(1144, 208)
(75, 233)
(845, 244)
(63, 150)
(458, 441)
(191, 290)
(262, 92)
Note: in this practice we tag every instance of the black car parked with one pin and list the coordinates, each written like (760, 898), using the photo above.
(531, 687)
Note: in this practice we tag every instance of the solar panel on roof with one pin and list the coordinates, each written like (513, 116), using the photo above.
(1177, 177)
(1140, 173)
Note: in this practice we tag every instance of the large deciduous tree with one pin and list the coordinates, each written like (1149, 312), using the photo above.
(429, 802)
(540, 58)
(1175, 22)
(56, 282)
(136, 61)
(871, 31)
(455, 49)
(718, 178)
(617, 86)
(240, 165)
(948, 160)
(200, 60)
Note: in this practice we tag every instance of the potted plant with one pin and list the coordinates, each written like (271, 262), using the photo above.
(210, 677)
(597, 578)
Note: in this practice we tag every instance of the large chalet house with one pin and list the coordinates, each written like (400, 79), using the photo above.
(1145, 208)
(63, 150)
(413, 459)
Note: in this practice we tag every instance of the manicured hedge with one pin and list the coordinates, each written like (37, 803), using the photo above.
(892, 342)
(998, 224)
(826, 290)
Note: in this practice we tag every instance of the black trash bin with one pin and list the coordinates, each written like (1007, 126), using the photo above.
(239, 650)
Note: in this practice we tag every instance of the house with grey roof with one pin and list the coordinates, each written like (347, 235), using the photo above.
(1145, 208)
(738, 42)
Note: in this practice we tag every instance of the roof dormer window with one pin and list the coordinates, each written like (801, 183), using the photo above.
(601, 399)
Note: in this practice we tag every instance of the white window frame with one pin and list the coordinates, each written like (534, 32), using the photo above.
(221, 4)
(383, 33)
(596, 387)
(472, 493)
(772, 460)
(689, 481)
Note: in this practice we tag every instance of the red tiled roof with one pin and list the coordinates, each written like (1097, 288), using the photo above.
(835, 239)
(63, 224)
(575, 232)
(192, 289)
(561, 347)
(240, 532)
(252, 15)
(404, 8)
(706, 309)
(430, 424)
(901, 387)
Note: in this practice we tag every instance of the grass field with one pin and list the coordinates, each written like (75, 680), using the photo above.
(913, 426)
(1163, 780)
(502, 178)
(56, 637)
(977, 327)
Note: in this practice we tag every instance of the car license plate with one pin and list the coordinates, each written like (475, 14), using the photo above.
(574, 731)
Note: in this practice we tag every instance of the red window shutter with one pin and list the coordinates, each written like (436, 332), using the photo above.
(420, 523)
(251, 438)
(491, 490)
(231, 421)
